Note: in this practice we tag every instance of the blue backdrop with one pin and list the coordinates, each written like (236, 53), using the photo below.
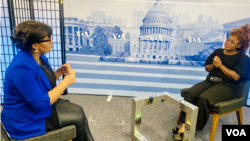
(134, 48)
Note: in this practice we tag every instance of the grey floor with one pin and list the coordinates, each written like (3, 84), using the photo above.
(111, 121)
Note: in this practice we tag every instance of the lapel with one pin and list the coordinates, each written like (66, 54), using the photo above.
(45, 60)
(33, 62)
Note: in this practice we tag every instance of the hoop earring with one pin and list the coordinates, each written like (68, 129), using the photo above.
(36, 51)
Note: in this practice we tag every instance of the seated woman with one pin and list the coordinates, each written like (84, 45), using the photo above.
(31, 96)
(225, 66)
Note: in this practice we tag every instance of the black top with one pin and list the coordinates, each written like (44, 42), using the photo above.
(49, 73)
(237, 62)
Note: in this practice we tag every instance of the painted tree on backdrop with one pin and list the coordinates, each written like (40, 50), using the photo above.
(117, 31)
(100, 40)
(113, 31)
(109, 31)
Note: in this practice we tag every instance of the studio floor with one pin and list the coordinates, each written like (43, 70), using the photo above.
(111, 121)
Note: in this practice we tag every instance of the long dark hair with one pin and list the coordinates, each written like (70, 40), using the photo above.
(30, 32)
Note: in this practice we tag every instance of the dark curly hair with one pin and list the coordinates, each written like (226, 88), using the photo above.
(243, 35)
(30, 32)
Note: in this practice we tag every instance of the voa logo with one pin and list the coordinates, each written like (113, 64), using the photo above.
(236, 132)
(157, 38)
(194, 40)
(116, 36)
(82, 34)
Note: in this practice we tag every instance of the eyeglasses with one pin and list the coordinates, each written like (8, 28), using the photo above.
(45, 40)
(231, 42)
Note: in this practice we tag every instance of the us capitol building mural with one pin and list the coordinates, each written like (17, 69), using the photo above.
(160, 38)
(156, 41)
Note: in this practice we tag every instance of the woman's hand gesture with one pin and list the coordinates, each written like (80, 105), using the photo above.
(70, 77)
(217, 62)
(65, 68)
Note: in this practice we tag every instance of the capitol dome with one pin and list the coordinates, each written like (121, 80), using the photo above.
(157, 21)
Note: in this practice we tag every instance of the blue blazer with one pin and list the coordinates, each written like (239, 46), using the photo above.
(26, 102)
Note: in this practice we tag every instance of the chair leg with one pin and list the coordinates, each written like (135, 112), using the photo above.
(214, 126)
(179, 118)
(239, 116)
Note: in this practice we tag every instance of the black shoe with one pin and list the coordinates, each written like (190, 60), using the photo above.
(178, 136)
(175, 130)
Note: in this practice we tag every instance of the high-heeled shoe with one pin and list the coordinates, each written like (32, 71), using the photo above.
(178, 136)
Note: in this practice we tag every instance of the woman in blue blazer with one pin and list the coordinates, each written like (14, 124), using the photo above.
(30, 92)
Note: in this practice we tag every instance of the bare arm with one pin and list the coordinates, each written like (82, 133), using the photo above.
(56, 92)
(209, 67)
(58, 73)
(229, 73)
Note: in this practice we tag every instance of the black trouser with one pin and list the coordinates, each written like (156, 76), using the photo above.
(205, 94)
(70, 114)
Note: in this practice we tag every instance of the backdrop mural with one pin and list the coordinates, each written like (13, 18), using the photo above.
(136, 47)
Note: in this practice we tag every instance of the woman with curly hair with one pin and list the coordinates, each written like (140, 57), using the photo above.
(225, 66)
